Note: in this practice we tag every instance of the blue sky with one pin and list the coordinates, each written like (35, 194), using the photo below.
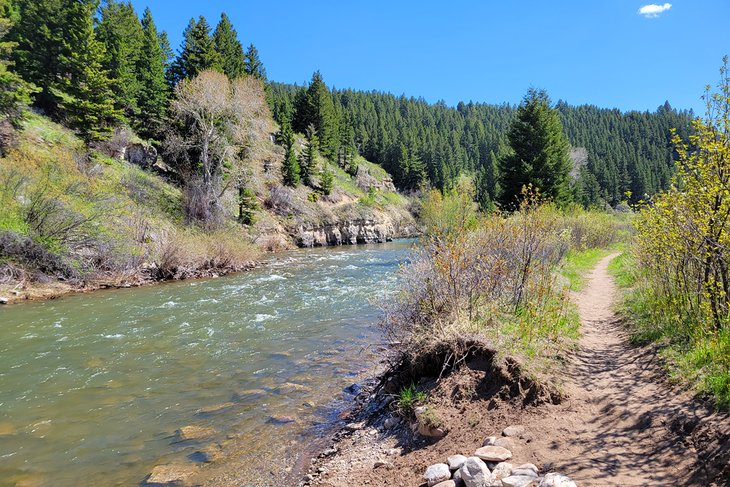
(599, 52)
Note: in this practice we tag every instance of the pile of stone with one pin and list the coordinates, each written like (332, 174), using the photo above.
(489, 467)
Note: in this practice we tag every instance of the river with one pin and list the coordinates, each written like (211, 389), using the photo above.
(94, 386)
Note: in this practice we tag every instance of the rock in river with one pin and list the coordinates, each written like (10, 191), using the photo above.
(215, 409)
(436, 474)
(170, 475)
(192, 432)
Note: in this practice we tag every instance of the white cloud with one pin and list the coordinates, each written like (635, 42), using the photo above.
(653, 10)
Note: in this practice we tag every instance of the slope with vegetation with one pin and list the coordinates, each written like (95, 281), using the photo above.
(129, 166)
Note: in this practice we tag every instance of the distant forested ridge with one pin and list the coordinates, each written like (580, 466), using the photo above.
(617, 155)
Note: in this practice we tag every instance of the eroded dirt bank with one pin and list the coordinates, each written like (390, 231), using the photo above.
(618, 424)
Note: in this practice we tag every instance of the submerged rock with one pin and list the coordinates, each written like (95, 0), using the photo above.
(279, 420)
(192, 432)
(216, 409)
(170, 475)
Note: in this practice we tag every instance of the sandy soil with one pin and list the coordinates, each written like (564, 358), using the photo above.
(621, 424)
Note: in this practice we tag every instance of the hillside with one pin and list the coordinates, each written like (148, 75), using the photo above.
(615, 152)
(76, 218)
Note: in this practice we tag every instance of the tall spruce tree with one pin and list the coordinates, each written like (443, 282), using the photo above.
(120, 31)
(42, 48)
(315, 107)
(14, 91)
(308, 162)
(89, 104)
(230, 48)
(153, 89)
(197, 53)
(290, 170)
(539, 154)
(253, 64)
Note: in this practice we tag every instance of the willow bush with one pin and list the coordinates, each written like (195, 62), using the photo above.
(683, 248)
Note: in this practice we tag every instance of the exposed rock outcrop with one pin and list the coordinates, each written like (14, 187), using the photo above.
(360, 231)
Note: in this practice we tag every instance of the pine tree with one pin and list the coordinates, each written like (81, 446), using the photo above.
(539, 153)
(308, 162)
(89, 102)
(346, 152)
(327, 180)
(316, 108)
(247, 205)
(253, 65)
(153, 91)
(290, 170)
(197, 53)
(121, 34)
(42, 47)
(14, 91)
(229, 47)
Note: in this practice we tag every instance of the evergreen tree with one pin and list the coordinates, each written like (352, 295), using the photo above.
(290, 170)
(229, 47)
(327, 180)
(308, 162)
(14, 91)
(121, 34)
(247, 205)
(315, 107)
(539, 153)
(153, 90)
(89, 103)
(197, 53)
(253, 65)
(42, 48)
(346, 153)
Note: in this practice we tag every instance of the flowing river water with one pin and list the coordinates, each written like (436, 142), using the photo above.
(93, 387)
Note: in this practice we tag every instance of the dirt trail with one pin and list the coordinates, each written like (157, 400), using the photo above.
(612, 430)
(621, 424)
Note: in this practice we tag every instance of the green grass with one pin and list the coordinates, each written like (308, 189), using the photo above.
(698, 361)
(578, 264)
(408, 398)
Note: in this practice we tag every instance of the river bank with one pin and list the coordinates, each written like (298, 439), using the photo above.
(619, 422)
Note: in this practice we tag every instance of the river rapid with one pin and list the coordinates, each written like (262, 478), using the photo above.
(93, 387)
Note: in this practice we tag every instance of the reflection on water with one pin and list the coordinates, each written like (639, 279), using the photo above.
(93, 387)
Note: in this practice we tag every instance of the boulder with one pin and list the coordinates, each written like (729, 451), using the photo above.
(503, 442)
(489, 441)
(517, 430)
(193, 433)
(525, 469)
(493, 454)
(425, 427)
(456, 461)
(4, 300)
(448, 483)
(436, 474)
(170, 476)
(141, 155)
(474, 473)
(391, 422)
(556, 480)
(520, 481)
(502, 470)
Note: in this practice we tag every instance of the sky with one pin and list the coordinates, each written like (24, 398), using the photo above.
(631, 55)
